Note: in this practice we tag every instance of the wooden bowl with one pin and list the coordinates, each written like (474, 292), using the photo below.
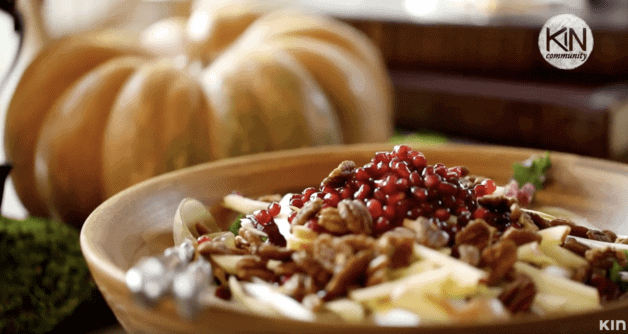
(137, 222)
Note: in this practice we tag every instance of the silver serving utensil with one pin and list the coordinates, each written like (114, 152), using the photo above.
(172, 273)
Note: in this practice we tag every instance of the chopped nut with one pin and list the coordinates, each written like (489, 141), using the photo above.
(575, 246)
(539, 221)
(297, 286)
(357, 241)
(268, 251)
(599, 236)
(477, 233)
(500, 257)
(313, 268)
(527, 222)
(397, 245)
(518, 295)
(251, 236)
(581, 274)
(611, 235)
(357, 217)
(604, 258)
(309, 210)
(340, 174)
(521, 236)
(286, 268)
(218, 247)
(469, 254)
(427, 233)
(497, 203)
(377, 271)
(329, 219)
(515, 212)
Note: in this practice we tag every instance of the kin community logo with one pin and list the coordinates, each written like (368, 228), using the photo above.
(566, 41)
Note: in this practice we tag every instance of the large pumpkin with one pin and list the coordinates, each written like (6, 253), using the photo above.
(98, 112)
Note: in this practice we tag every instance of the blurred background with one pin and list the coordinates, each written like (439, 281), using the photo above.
(461, 70)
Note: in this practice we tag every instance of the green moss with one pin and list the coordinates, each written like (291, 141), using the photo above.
(43, 276)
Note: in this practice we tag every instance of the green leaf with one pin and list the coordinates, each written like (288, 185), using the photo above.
(532, 171)
(235, 226)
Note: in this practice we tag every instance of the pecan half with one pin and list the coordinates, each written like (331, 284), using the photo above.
(521, 236)
(576, 230)
(357, 217)
(253, 266)
(329, 219)
(599, 236)
(539, 221)
(348, 274)
(497, 203)
(427, 233)
(268, 251)
(309, 210)
(397, 245)
(518, 295)
(500, 257)
(377, 271)
(340, 174)
(477, 233)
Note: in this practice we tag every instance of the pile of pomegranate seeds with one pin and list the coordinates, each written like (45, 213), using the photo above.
(400, 184)
(263, 220)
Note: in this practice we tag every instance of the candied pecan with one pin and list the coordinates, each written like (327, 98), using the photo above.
(497, 203)
(253, 266)
(340, 174)
(576, 230)
(605, 257)
(297, 286)
(575, 246)
(251, 236)
(470, 181)
(521, 236)
(515, 212)
(270, 198)
(581, 274)
(309, 210)
(610, 234)
(469, 254)
(287, 268)
(398, 245)
(621, 240)
(377, 271)
(599, 236)
(357, 217)
(500, 257)
(313, 268)
(268, 251)
(347, 274)
(539, 221)
(218, 247)
(477, 233)
(518, 295)
(607, 289)
(527, 223)
(329, 219)
(427, 233)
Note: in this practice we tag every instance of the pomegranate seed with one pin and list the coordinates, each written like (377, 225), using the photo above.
(402, 208)
(346, 192)
(382, 168)
(393, 162)
(389, 211)
(291, 217)
(382, 225)
(403, 184)
(327, 189)
(395, 198)
(274, 208)
(307, 193)
(202, 239)
(441, 170)
(362, 175)
(447, 188)
(419, 193)
(389, 185)
(382, 157)
(490, 186)
(363, 192)
(414, 213)
(318, 194)
(419, 161)
(416, 179)
(331, 199)
(312, 224)
(401, 169)
(371, 169)
(274, 237)
(375, 208)
(379, 195)
(223, 292)
(432, 181)
(451, 176)
(262, 217)
(480, 190)
(429, 170)
(426, 208)
(401, 149)
(481, 213)
(296, 202)
(441, 214)
(448, 201)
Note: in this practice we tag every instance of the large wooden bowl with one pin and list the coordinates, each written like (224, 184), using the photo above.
(137, 222)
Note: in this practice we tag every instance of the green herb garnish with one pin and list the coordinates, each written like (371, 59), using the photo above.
(532, 171)
(613, 274)
(235, 226)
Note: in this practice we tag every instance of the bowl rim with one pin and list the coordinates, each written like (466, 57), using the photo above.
(115, 273)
